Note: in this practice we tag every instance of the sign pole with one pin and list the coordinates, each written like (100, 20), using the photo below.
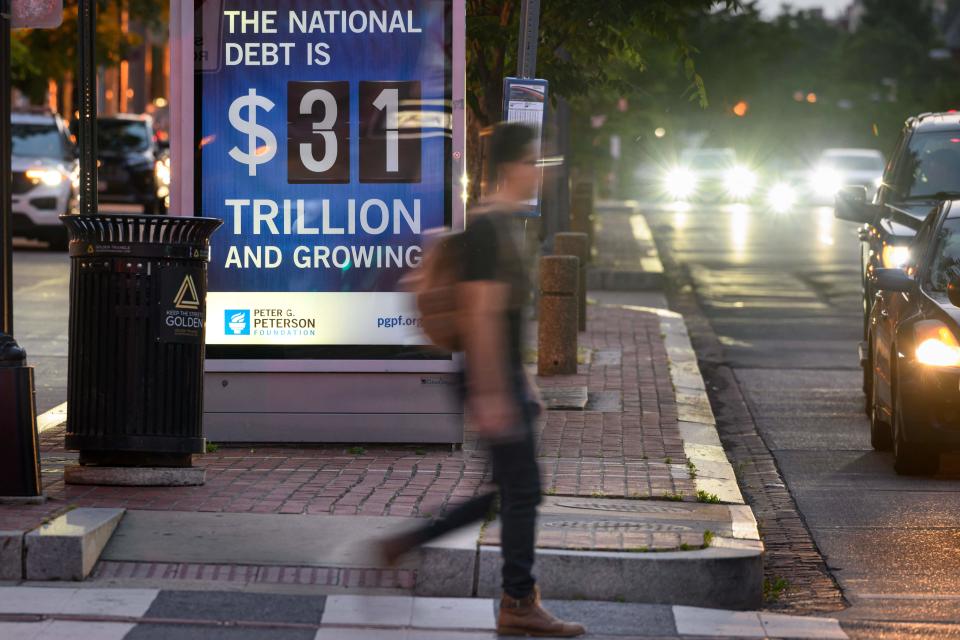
(6, 187)
(529, 37)
(88, 107)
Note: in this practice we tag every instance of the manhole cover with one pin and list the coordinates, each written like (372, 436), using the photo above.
(639, 507)
(614, 525)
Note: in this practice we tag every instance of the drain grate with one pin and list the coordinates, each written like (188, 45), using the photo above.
(638, 507)
(615, 525)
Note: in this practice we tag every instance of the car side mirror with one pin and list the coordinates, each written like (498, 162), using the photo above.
(851, 204)
(892, 280)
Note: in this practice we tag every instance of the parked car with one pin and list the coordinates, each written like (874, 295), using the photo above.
(44, 176)
(913, 348)
(923, 171)
(837, 168)
(134, 166)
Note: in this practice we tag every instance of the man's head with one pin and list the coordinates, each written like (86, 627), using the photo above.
(513, 161)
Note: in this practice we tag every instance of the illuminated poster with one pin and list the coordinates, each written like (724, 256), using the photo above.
(324, 144)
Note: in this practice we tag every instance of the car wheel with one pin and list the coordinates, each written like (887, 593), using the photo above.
(909, 459)
(868, 374)
(881, 438)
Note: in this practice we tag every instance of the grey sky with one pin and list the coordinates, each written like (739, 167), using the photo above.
(830, 7)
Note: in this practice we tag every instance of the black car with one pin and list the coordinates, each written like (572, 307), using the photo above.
(134, 167)
(923, 170)
(913, 348)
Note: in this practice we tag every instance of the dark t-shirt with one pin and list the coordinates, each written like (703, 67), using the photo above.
(491, 252)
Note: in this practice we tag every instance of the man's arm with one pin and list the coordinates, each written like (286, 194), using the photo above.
(483, 305)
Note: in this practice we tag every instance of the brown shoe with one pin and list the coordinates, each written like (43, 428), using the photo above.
(525, 617)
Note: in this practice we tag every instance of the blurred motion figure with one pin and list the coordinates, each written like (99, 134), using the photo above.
(501, 399)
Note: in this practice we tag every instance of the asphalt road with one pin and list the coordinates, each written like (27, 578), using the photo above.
(782, 295)
(41, 280)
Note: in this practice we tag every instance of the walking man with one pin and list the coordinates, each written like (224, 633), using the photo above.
(500, 398)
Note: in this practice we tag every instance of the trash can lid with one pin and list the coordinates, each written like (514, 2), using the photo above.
(141, 230)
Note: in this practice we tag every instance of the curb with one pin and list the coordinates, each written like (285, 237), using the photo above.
(66, 548)
(720, 576)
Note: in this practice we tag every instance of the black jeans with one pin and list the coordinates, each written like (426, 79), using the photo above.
(517, 477)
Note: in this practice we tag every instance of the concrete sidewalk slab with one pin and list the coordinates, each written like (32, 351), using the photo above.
(67, 547)
(634, 526)
(249, 538)
(203, 614)
(63, 630)
(753, 624)
(76, 601)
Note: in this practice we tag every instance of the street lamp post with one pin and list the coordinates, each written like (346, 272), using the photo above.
(19, 455)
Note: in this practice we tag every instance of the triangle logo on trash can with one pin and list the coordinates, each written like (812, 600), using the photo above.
(187, 297)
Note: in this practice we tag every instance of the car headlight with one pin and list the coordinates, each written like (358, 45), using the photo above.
(680, 183)
(49, 177)
(740, 182)
(936, 344)
(894, 256)
(878, 181)
(826, 182)
(781, 197)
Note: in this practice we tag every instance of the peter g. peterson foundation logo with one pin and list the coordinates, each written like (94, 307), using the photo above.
(237, 321)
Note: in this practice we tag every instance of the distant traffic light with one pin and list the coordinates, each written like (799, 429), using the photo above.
(740, 109)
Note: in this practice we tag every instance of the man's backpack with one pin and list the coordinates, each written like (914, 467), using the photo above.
(435, 286)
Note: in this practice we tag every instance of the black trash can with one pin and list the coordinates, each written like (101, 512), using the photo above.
(137, 314)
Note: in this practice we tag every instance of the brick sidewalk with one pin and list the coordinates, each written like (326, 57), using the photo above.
(626, 444)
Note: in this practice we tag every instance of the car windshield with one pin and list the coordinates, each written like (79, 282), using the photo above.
(945, 263)
(122, 135)
(931, 165)
(856, 163)
(38, 141)
(709, 160)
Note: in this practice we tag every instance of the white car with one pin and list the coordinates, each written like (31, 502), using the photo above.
(45, 177)
(842, 167)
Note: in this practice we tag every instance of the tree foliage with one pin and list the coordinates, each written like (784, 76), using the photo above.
(41, 54)
(583, 48)
(807, 83)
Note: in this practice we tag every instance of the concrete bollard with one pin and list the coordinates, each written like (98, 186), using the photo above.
(557, 338)
(578, 245)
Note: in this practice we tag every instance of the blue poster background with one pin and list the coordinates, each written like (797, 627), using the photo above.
(354, 58)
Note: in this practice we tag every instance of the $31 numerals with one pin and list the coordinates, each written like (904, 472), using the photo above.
(318, 132)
